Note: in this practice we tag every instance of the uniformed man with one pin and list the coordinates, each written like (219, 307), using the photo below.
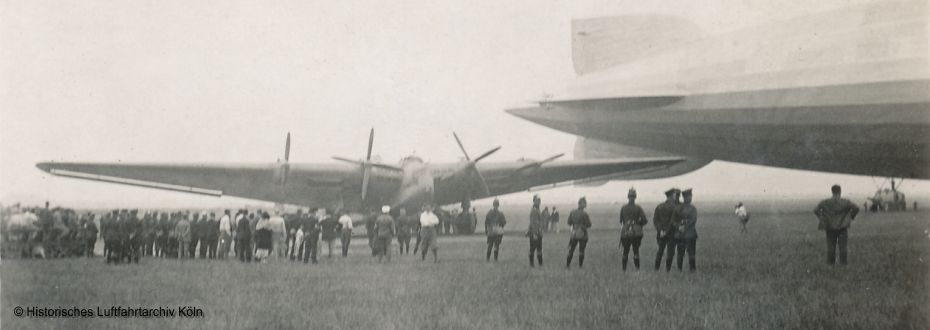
(535, 231)
(311, 229)
(244, 238)
(665, 230)
(687, 233)
(328, 231)
(404, 224)
(632, 220)
(580, 222)
(211, 235)
(195, 235)
(385, 229)
(90, 236)
(429, 229)
(494, 223)
(132, 237)
(279, 235)
(835, 214)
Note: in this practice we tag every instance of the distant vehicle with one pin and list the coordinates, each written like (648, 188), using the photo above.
(888, 199)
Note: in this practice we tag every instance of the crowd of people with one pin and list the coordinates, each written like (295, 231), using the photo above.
(257, 236)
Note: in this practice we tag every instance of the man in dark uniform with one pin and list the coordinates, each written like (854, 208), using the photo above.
(835, 214)
(244, 238)
(211, 236)
(663, 218)
(370, 231)
(404, 224)
(687, 233)
(580, 222)
(311, 237)
(632, 220)
(132, 236)
(149, 221)
(494, 223)
(535, 231)
(90, 236)
(385, 228)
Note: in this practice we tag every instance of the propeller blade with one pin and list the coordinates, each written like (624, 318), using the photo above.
(287, 148)
(366, 177)
(353, 161)
(488, 153)
(460, 146)
(371, 140)
(551, 158)
(482, 185)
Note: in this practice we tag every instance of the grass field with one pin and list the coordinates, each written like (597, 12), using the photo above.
(773, 277)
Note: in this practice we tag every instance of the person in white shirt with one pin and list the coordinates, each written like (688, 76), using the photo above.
(279, 234)
(428, 231)
(743, 216)
(225, 234)
(345, 225)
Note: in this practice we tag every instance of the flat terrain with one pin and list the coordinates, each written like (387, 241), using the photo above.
(773, 277)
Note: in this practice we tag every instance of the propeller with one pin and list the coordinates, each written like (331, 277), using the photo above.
(367, 164)
(537, 164)
(285, 167)
(482, 184)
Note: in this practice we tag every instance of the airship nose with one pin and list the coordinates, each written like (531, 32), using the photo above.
(531, 114)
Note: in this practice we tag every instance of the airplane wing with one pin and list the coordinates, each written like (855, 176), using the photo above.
(300, 184)
(505, 178)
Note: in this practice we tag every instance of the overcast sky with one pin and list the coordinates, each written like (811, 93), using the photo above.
(224, 81)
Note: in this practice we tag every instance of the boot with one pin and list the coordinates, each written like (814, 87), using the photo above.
(488, 255)
(531, 260)
(624, 264)
(581, 261)
(539, 258)
(568, 261)
(635, 262)
(692, 266)
(495, 257)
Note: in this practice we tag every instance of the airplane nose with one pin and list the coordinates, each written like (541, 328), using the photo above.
(531, 114)
(44, 166)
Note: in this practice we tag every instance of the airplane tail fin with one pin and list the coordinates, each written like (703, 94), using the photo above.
(604, 42)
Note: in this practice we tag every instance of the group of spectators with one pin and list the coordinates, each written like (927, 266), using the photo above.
(47, 232)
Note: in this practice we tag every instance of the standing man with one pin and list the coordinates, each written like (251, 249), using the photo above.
(404, 224)
(632, 220)
(212, 235)
(328, 226)
(545, 219)
(535, 231)
(580, 222)
(311, 237)
(90, 236)
(243, 238)
(665, 231)
(429, 229)
(687, 214)
(554, 220)
(279, 235)
(182, 231)
(345, 224)
(743, 216)
(225, 228)
(835, 215)
(494, 224)
(385, 228)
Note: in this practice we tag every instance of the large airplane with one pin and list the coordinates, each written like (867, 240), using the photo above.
(360, 185)
(844, 91)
